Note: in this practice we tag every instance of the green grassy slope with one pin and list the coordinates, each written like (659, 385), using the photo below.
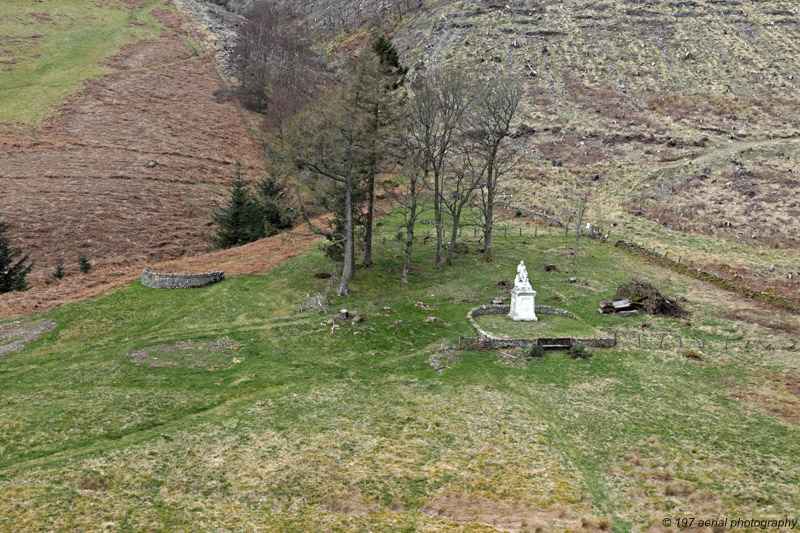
(48, 49)
(298, 426)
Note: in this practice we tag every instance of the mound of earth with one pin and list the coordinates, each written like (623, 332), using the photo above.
(645, 296)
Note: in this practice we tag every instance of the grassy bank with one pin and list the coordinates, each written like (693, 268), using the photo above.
(226, 408)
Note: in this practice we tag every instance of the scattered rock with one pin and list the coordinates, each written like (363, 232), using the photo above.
(423, 305)
(573, 280)
(497, 301)
(351, 316)
(15, 335)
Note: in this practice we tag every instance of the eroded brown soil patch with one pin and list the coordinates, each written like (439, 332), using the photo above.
(15, 335)
(508, 517)
(776, 394)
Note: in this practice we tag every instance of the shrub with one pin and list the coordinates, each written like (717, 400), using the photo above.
(579, 351)
(58, 273)
(535, 351)
(84, 265)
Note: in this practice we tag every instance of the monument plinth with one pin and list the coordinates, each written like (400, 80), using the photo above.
(523, 297)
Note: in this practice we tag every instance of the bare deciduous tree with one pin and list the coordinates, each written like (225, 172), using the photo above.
(327, 143)
(459, 187)
(277, 70)
(496, 102)
(436, 111)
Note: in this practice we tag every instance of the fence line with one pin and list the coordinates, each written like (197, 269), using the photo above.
(653, 340)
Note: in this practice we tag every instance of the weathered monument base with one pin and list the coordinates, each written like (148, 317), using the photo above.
(523, 305)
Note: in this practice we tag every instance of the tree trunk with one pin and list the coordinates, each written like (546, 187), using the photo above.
(489, 214)
(410, 223)
(347, 268)
(437, 207)
(368, 223)
(454, 235)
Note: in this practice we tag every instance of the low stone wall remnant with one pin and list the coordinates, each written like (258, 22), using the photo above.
(157, 280)
(489, 341)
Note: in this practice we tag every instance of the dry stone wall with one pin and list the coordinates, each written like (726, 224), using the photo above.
(487, 340)
(157, 280)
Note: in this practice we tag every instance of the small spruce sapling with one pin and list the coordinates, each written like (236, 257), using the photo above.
(59, 272)
(84, 265)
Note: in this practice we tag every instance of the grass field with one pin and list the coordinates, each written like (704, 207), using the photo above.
(224, 408)
(545, 326)
(48, 50)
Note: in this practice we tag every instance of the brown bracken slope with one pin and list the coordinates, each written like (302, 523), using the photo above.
(126, 172)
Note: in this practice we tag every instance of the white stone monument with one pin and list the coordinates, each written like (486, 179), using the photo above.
(523, 297)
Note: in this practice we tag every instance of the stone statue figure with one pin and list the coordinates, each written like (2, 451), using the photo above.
(523, 297)
(521, 281)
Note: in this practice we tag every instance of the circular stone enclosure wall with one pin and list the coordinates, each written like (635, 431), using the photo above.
(494, 341)
(157, 280)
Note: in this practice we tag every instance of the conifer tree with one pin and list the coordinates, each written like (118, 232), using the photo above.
(240, 221)
(14, 266)
(84, 265)
(59, 271)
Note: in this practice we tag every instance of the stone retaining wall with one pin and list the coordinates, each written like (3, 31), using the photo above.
(489, 341)
(156, 280)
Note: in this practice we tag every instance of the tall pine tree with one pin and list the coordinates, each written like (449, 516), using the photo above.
(14, 266)
(240, 221)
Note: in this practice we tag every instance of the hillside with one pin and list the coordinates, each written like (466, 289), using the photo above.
(112, 142)
(679, 116)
